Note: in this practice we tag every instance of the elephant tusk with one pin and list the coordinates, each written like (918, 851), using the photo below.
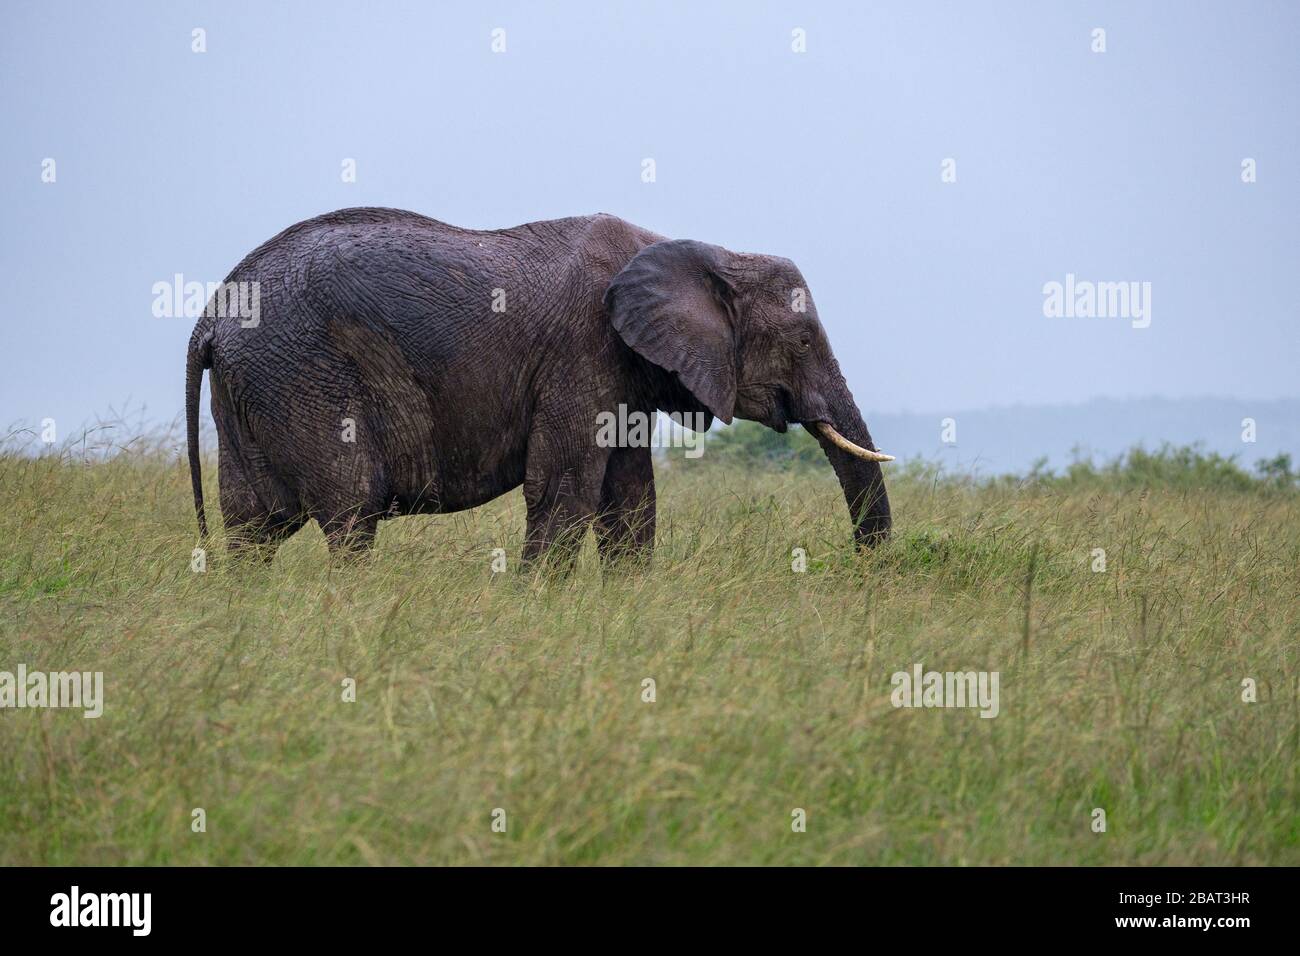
(845, 445)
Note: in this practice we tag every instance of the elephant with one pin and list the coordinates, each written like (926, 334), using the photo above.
(400, 365)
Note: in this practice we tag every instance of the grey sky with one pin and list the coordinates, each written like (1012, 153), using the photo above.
(1124, 165)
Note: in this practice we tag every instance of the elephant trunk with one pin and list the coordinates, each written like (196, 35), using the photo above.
(861, 478)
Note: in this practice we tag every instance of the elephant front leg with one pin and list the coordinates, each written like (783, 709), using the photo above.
(562, 493)
(625, 525)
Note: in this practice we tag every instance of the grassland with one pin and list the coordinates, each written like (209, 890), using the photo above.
(1120, 690)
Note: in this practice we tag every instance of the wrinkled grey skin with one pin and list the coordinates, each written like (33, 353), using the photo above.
(385, 317)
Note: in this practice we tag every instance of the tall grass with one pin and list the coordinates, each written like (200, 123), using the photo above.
(1121, 690)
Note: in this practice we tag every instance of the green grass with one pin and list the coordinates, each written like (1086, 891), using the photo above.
(1120, 690)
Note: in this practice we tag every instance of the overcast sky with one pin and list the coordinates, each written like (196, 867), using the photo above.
(1123, 165)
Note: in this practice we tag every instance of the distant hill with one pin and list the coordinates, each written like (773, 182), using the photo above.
(1010, 439)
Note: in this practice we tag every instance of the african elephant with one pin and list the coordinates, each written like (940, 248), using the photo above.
(400, 365)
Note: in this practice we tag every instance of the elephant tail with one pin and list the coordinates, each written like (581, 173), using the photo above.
(197, 359)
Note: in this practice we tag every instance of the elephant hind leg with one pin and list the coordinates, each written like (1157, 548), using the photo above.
(625, 526)
(259, 538)
(351, 493)
(350, 533)
(258, 515)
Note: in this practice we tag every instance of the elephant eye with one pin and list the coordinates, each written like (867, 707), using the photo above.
(805, 341)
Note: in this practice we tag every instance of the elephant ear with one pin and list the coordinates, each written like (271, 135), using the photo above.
(674, 306)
